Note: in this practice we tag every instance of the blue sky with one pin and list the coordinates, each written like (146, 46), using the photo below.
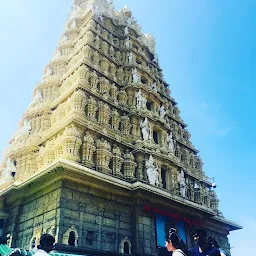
(207, 52)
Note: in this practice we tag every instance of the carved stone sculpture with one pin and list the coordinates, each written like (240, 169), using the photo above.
(170, 143)
(129, 165)
(115, 120)
(162, 111)
(8, 171)
(71, 142)
(103, 155)
(117, 161)
(126, 31)
(130, 58)
(182, 182)
(49, 72)
(152, 171)
(144, 125)
(24, 130)
(88, 150)
(141, 100)
(135, 76)
(125, 125)
(38, 96)
(127, 43)
(154, 88)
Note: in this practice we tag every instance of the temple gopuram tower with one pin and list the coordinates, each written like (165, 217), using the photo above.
(101, 158)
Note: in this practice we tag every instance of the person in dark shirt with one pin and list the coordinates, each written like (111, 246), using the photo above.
(204, 247)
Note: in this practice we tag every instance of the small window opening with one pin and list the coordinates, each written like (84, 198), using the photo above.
(150, 105)
(72, 238)
(89, 237)
(126, 248)
(155, 136)
(139, 61)
(144, 80)
(163, 176)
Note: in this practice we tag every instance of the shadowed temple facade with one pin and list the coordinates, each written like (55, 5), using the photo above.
(101, 158)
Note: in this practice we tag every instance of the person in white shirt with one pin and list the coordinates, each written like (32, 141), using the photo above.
(46, 245)
(174, 244)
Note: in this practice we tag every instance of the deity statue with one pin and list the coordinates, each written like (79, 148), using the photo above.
(182, 182)
(65, 38)
(58, 53)
(130, 58)
(127, 43)
(49, 72)
(152, 171)
(73, 24)
(155, 60)
(129, 21)
(8, 170)
(38, 96)
(162, 111)
(135, 76)
(154, 87)
(111, 50)
(170, 143)
(94, 79)
(119, 74)
(24, 130)
(126, 31)
(144, 125)
(141, 100)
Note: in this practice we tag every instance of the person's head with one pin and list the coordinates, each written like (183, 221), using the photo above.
(46, 242)
(199, 236)
(172, 242)
(212, 242)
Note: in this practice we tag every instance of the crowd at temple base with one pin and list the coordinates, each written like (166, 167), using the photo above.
(174, 246)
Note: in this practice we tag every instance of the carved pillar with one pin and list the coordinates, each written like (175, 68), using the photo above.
(89, 36)
(93, 81)
(49, 155)
(91, 109)
(105, 47)
(120, 75)
(125, 125)
(135, 127)
(71, 140)
(140, 167)
(131, 99)
(104, 114)
(112, 70)
(117, 161)
(160, 174)
(104, 87)
(104, 65)
(81, 74)
(122, 97)
(114, 93)
(78, 101)
(103, 156)
(87, 52)
(129, 165)
(127, 76)
(88, 150)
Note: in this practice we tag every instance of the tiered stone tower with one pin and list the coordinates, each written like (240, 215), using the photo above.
(101, 139)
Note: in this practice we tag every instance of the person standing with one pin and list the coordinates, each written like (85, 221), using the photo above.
(46, 245)
(203, 248)
(175, 245)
